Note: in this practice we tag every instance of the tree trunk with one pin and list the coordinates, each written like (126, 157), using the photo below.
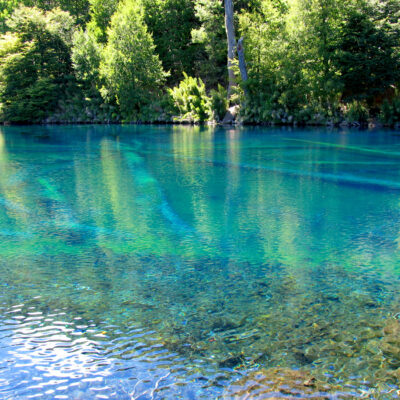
(230, 35)
(242, 61)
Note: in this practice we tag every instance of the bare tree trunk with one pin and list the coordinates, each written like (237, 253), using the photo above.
(230, 35)
(242, 61)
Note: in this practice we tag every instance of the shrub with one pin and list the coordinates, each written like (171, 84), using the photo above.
(219, 103)
(190, 100)
(356, 111)
(390, 111)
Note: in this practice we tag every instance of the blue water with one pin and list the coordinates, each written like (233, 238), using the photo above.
(177, 262)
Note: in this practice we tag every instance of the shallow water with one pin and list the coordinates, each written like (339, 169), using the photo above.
(176, 262)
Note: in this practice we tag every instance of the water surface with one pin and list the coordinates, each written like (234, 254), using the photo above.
(174, 262)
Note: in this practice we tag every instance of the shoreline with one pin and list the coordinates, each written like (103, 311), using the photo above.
(343, 124)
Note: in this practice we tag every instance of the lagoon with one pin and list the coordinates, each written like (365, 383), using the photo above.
(173, 262)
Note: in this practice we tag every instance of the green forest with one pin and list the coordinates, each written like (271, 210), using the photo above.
(268, 61)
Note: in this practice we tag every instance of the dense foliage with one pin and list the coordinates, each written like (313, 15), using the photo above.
(36, 66)
(190, 100)
(131, 69)
(308, 61)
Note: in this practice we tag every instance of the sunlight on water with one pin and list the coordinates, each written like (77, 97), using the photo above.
(198, 263)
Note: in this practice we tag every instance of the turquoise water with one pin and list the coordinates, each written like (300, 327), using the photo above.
(176, 262)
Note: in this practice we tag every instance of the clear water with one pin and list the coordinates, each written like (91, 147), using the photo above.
(171, 262)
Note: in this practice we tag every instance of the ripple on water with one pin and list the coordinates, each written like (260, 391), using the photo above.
(49, 361)
(196, 351)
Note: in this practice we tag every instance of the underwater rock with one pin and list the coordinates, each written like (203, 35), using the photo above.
(392, 354)
(364, 301)
(224, 324)
(304, 357)
(392, 328)
(282, 382)
(372, 347)
(231, 362)
(368, 334)
(138, 305)
(395, 375)
(390, 344)
(312, 353)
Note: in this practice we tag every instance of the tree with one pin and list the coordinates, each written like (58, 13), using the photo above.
(231, 41)
(77, 8)
(86, 56)
(315, 26)
(267, 44)
(367, 50)
(35, 63)
(6, 9)
(171, 23)
(101, 12)
(211, 35)
(131, 69)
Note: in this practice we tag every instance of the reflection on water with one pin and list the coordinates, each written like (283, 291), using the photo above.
(198, 263)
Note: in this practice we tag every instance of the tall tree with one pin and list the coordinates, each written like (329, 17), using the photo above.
(231, 41)
(367, 53)
(171, 23)
(130, 66)
(211, 36)
(35, 63)
(6, 9)
(101, 12)
(78, 8)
